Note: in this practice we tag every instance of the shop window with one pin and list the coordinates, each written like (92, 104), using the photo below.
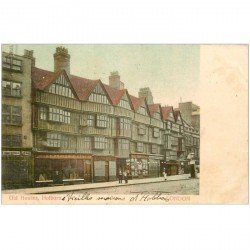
(11, 88)
(12, 141)
(12, 115)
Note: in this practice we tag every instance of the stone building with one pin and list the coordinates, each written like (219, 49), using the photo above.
(190, 113)
(17, 140)
(81, 129)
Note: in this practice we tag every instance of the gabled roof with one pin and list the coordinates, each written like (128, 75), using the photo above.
(166, 111)
(114, 94)
(42, 78)
(135, 102)
(81, 86)
(153, 108)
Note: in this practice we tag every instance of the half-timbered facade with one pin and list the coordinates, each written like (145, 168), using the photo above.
(85, 130)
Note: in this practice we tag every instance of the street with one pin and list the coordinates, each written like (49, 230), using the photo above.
(179, 187)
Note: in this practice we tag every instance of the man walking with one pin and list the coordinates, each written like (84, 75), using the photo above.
(125, 175)
(120, 176)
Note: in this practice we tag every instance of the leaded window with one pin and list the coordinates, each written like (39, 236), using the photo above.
(124, 144)
(141, 129)
(90, 120)
(124, 104)
(102, 121)
(139, 147)
(53, 139)
(100, 142)
(156, 132)
(125, 123)
(59, 115)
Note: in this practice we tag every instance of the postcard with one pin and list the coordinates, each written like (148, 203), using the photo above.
(124, 124)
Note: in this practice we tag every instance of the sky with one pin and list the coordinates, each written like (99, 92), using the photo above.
(170, 71)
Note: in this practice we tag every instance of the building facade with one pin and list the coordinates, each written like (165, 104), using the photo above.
(17, 139)
(81, 129)
(190, 113)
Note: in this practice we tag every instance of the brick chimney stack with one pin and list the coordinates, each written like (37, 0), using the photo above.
(114, 80)
(62, 60)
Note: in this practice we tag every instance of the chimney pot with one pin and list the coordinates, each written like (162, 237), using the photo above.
(62, 60)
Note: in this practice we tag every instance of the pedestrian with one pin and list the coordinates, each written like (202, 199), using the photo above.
(125, 176)
(165, 175)
(120, 176)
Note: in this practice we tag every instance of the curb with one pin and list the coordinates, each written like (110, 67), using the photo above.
(128, 184)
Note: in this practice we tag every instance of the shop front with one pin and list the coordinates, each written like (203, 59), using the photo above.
(17, 169)
(104, 168)
(172, 167)
(139, 167)
(62, 169)
(154, 165)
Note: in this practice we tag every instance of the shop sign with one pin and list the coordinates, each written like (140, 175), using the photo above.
(26, 153)
(9, 153)
(6, 153)
(16, 153)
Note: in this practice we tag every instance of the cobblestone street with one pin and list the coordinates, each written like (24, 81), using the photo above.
(181, 187)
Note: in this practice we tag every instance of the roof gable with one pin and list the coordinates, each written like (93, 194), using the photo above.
(168, 113)
(154, 108)
(43, 79)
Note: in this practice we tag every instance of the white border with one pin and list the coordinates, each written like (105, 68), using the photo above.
(126, 227)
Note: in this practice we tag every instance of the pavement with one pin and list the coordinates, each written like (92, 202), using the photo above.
(88, 186)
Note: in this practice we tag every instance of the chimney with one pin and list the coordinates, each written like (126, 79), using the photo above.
(146, 93)
(62, 60)
(114, 80)
(29, 54)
